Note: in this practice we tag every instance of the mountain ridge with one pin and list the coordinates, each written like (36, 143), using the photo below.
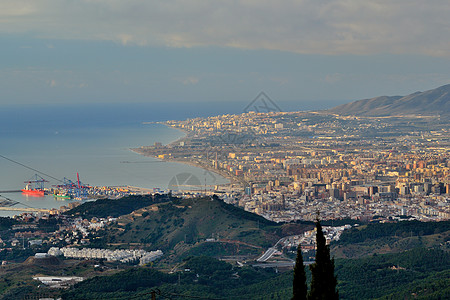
(431, 102)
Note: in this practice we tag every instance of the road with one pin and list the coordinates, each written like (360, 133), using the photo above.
(269, 252)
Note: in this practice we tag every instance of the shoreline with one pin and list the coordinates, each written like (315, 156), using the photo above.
(223, 174)
(228, 177)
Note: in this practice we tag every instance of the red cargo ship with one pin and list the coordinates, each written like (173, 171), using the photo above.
(35, 187)
(33, 192)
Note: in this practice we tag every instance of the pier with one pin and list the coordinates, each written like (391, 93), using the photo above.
(25, 209)
(140, 190)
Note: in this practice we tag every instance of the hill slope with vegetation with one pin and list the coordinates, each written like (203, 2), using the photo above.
(418, 273)
(103, 208)
(379, 238)
(198, 226)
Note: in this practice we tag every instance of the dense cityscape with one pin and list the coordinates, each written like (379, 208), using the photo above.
(288, 166)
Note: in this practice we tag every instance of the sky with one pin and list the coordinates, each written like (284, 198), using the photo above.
(172, 51)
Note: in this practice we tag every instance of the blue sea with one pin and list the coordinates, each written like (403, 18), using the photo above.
(93, 140)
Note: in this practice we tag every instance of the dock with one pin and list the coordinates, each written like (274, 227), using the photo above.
(24, 209)
(139, 190)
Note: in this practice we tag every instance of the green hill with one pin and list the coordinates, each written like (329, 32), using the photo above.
(207, 278)
(103, 208)
(418, 273)
(379, 238)
(201, 226)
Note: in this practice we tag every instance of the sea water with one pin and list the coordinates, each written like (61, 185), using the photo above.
(93, 141)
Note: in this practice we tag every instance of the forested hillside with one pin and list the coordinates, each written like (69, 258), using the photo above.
(419, 273)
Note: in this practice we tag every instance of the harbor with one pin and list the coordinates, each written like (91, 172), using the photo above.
(99, 165)
(39, 198)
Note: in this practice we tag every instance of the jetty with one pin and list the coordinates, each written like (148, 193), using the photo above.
(24, 209)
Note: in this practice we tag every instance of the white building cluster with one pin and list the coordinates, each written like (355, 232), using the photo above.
(58, 281)
(124, 256)
(308, 239)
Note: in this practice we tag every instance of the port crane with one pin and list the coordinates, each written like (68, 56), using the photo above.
(76, 189)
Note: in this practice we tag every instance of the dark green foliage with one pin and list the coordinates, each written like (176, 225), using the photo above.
(423, 273)
(17, 293)
(395, 276)
(435, 287)
(323, 280)
(215, 249)
(7, 222)
(207, 277)
(48, 225)
(103, 208)
(127, 281)
(16, 254)
(402, 229)
(206, 265)
(299, 287)
(240, 213)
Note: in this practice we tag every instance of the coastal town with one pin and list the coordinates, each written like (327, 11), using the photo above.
(290, 168)
(288, 165)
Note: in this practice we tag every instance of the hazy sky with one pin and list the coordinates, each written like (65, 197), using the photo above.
(69, 51)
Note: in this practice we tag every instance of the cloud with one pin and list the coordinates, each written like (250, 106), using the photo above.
(302, 26)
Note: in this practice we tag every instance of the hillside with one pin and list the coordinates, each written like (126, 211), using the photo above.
(421, 273)
(379, 238)
(16, 280)
(103, 208)
(181, 228)
(432, 102)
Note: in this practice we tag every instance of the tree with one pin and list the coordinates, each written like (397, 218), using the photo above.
(299, 286)
(323, 282)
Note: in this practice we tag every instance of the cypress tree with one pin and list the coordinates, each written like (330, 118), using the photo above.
(299, 286)
(323, 282)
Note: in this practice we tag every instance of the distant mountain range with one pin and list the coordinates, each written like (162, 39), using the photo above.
(432, 102)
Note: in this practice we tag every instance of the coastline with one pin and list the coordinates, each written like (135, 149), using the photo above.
(186, 134)
(191, 163)
(228, 177)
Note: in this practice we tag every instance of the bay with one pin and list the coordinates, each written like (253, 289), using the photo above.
(96, 143)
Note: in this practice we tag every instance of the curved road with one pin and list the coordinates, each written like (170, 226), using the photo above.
(269, 252)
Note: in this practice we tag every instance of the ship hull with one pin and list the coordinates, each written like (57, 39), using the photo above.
(36, 193)
(63, 197)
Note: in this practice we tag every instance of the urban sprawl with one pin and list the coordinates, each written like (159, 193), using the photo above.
(291, 165)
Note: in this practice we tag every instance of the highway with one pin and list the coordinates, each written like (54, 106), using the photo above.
(269, 252)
